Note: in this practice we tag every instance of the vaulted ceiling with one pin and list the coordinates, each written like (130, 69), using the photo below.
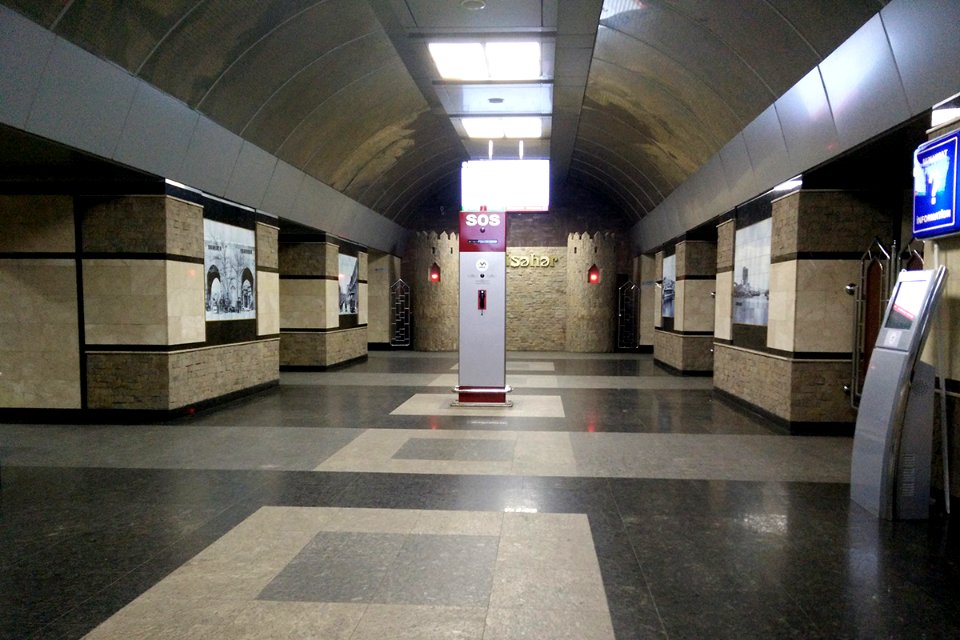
(643, 92)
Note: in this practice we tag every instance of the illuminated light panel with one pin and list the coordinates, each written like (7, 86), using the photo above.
(493, 128)
(459, 60)
(513, 60)
(492, 61)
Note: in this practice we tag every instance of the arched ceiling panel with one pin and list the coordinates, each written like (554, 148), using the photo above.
(292, 103)
(198, 49)
(255, 76)
(428, 149)
(631, 176)
(391, 149)
(611, 176)
(125, 31)
(608, 131)
(699, 50)
(655, 116)
(695, 95)
(825, 24)
(389, 102)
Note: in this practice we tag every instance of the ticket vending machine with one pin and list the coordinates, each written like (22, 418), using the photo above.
(483, 310)
(890, 469)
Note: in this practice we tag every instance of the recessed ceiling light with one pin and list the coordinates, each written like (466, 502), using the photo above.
(490, 61)
(493, 128)
(473, 5)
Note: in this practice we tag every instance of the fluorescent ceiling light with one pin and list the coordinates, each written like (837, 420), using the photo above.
(493, 128)
(490, 61)
(513, 60)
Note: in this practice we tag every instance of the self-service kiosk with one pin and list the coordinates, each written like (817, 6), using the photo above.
(890, 469)
(483, 310)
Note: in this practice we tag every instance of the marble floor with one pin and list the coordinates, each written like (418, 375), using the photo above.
(613, 501)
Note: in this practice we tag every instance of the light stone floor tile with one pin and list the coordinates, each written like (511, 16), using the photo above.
(214, 595)
(466, 523)
(555, 624)
(373, 520)
(546, 555)
(517, 587)
(613, 455)
(411, 622)
(286, 621)
(524, 406)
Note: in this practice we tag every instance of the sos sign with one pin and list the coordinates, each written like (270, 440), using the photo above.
(483, 231)
(482, 220)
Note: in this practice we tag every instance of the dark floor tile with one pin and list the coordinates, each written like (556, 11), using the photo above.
(456, 449)
(764, 615)
(441, 570)
(337, 567)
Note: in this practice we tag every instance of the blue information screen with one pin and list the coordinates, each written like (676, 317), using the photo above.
(935, 188)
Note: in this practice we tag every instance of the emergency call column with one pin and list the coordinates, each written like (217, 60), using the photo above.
(483, 310)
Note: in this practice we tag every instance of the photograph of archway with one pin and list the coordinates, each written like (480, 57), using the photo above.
(229, 260)
(349, 280)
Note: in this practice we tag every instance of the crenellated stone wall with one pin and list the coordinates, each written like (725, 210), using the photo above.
(436, 305)
(591, 317)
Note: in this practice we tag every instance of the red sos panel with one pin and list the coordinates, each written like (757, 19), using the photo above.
(481, 231)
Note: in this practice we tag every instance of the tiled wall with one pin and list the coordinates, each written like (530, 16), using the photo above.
(309, 314)
(39, 341)
(536, 301)
(384, 270)
(648, 291)
(268, 280)
(817, 239)
(167, 381)
(687, 346)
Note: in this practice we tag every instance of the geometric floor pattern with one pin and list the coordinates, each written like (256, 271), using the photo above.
(645, 506)
(370, 574)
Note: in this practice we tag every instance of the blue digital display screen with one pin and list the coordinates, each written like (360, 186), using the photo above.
(935, 188)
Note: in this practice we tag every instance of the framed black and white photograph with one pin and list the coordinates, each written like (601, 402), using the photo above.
(751, 273)
(669, 285)
(229, 261)
(349, 280)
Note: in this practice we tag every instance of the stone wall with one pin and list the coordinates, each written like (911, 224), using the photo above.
(796, 391)
(591, 308)
(39, 332)
(436, 305)
(312, 331)
(536, 298)
(384, 271)
(311, 349)
(168, 381)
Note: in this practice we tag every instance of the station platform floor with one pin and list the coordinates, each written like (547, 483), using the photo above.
(613, 501)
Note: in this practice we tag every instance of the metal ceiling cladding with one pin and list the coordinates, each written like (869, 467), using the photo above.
(643, 94)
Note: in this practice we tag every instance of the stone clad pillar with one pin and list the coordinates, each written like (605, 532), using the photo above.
(684, 342)
(797, 372)
(39, 325)
(313, 332)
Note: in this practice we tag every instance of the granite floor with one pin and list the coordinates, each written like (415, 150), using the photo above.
(618, 501)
